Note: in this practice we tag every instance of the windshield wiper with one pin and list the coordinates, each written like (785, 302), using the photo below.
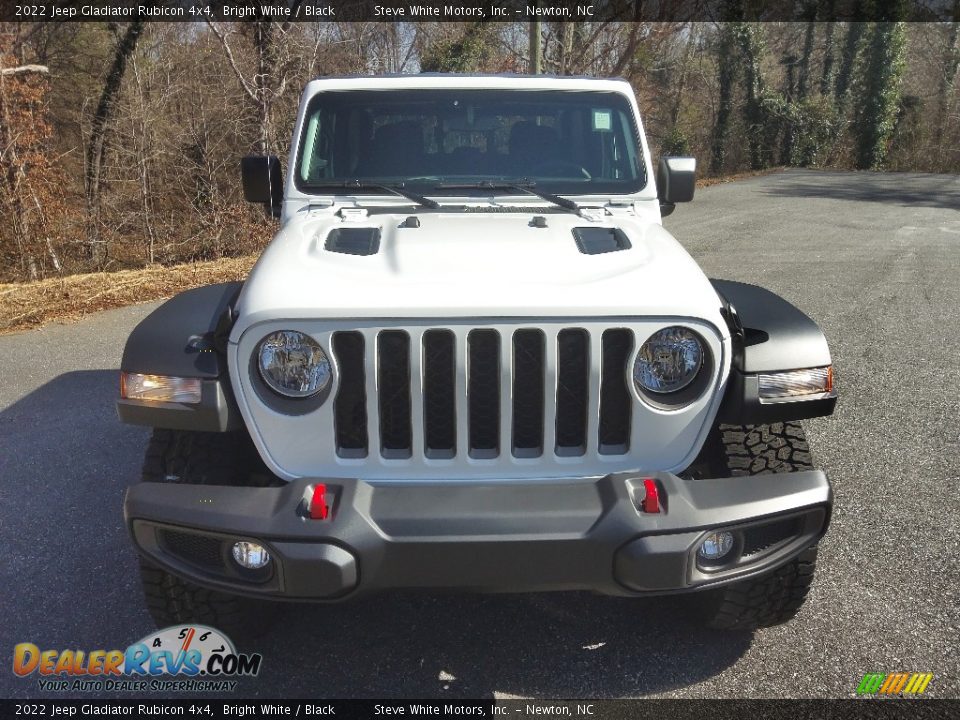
(395, 189)
(526, 186)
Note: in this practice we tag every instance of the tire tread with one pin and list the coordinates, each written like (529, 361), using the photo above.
(202, 459)
(777, 596)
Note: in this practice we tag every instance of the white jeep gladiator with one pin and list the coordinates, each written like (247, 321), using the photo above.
(472, 358)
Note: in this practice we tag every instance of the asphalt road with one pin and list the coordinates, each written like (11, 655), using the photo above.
(874, 258)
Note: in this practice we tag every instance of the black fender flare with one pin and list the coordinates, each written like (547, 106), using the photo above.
(769, 335)
(186, 337)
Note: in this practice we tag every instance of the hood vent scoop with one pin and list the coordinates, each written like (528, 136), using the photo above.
(599, 240)
(353, 240)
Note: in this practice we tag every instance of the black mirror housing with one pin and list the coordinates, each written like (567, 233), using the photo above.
(263, 182)
(676, 180)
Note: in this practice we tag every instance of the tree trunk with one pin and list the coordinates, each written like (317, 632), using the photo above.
(759, 132)
(629, 50)
(51, 251)
(951, 62)
(877, 109)
(143, 166)
(566, 47)
(790, 96)
(850, 52)
(827, 76)
(725, 76)
(264, 81)
(24, 70)
(98, 130)
(803, 70)
(269, 82)
(682, 79)
(536, 48)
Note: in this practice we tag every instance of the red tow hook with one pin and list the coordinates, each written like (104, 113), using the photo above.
(319, 510)
(651, 499)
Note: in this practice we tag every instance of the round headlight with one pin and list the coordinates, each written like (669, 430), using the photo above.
(293, 364)
(668, 361)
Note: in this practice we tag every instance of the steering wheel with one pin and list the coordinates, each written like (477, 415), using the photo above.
(560, 168)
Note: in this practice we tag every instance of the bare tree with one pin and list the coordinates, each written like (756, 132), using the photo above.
(27, 176)
(951, 63)
(267, 80)
(98, 132)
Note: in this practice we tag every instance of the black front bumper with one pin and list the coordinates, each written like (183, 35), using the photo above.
(531, 536)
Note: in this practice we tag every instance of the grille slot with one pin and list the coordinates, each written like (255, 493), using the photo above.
(573, 378)
(528, 393)
(439, 394)
(393, 383)
(616, 404)
(483, 392)
(350, 405)
(200, 550)
(761, 538)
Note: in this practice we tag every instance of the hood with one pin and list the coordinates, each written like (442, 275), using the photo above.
(474, 264)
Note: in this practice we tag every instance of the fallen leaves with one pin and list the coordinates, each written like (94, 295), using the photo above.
(27, 305)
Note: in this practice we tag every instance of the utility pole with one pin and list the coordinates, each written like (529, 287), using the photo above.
(536, 48)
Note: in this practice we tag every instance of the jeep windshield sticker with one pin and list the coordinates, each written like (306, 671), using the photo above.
(601, 120)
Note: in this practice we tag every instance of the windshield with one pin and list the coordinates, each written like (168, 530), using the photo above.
(569, 142)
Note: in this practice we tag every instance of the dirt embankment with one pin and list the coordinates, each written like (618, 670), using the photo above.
(27, 305)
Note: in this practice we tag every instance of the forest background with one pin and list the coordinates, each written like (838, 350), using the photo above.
(120, 142)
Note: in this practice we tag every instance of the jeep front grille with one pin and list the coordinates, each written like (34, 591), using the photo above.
(528, 393)
(482, 394)
(350, 405)
(439, 394)
(393, 382)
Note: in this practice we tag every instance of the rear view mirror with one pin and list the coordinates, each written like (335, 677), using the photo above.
(676, 182)
(263, 182)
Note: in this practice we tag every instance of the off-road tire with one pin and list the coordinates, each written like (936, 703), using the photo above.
(202, 459)
(758, 449)
(777, 596)
(174, 601)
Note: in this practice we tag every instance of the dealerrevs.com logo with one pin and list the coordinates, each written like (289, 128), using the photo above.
(186, 658)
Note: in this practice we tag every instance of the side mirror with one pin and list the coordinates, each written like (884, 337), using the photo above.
(676, 181)
(263, 182)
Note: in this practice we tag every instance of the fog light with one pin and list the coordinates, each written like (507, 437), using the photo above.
(250, 555)
(715, 546)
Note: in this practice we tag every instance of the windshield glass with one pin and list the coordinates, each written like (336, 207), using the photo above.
(570, 142)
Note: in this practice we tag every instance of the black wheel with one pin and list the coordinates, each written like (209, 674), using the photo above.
(777, 596)
(202, 459)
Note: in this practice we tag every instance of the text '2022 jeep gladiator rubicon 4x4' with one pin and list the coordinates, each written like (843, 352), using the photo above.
(472, 358)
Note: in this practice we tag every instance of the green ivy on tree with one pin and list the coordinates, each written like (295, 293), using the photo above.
(880, 89)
